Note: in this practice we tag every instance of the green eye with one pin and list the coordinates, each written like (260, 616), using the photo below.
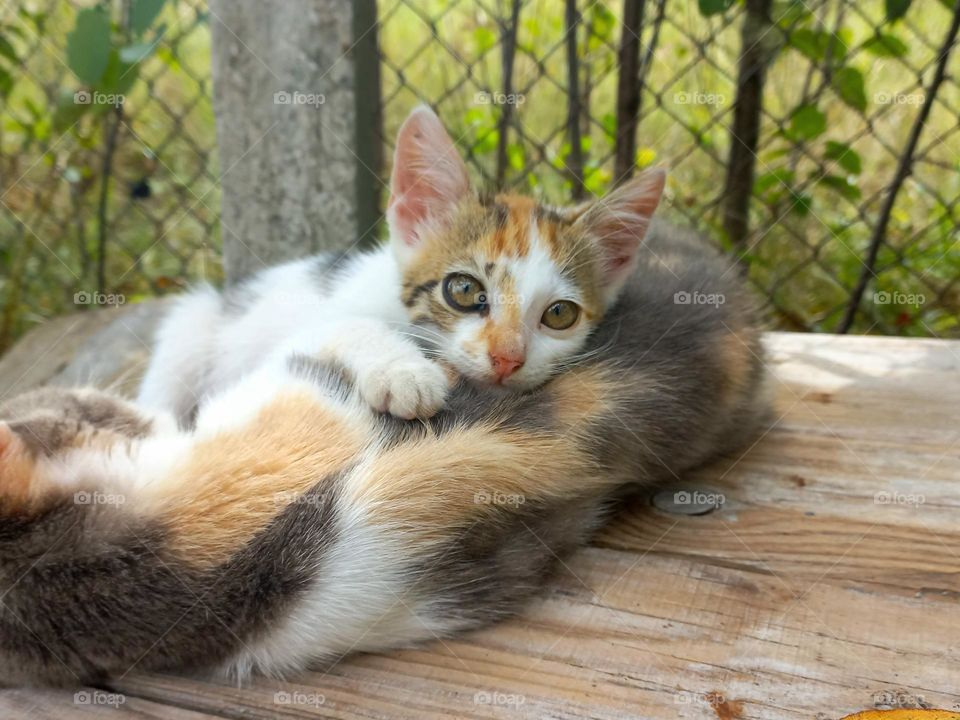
(561, 315)
(464, 293)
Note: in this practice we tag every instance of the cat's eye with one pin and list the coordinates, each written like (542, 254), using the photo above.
(561, 315)
(464, 292)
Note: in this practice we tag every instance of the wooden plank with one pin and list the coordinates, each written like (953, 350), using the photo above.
(805, 595)
(55, 704)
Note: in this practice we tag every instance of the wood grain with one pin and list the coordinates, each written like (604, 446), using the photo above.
(805, 595)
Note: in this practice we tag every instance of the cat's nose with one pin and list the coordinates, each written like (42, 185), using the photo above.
(505, 365)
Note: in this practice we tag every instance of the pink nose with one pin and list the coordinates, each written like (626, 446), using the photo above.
(505, 365)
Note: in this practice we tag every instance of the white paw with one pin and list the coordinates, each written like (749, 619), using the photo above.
(406, 388)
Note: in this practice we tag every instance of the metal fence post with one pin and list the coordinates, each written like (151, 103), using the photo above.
(745, 132)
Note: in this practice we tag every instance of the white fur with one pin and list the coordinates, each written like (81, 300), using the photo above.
(356, 319)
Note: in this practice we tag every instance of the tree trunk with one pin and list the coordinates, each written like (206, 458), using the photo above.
(285, 108)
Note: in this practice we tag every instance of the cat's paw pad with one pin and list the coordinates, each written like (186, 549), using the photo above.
(406, 389)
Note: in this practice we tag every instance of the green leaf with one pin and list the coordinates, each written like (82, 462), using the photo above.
(6, 83)
(801, 204)
(483, 39)
(807, 122)
(6, 50)
(848, 82)
(143, 13)
(886, 45)
(135, 53)
(896, 9)
(515, 156)
(88, 45)
(714, 7)
(811, 43)
(816, 44)
(119, 76)
(846, 157)
(602, 21)
(776, 179)
(842, 186)
(69, 110)
(608, 122)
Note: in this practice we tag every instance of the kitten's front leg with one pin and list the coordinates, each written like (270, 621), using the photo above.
(390, 371)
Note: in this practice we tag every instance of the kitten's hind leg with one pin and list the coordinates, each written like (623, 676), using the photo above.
(184, 351)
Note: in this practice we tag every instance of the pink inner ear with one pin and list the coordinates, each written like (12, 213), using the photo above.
(620, 221)
(429, 178)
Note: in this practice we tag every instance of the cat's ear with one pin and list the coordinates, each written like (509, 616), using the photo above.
(429, 178)
(618, 224)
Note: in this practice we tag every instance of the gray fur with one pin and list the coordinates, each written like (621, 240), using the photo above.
(91, 592)
(48, 419)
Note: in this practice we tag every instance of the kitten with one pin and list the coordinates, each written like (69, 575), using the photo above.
(503, 291)
(295, 524)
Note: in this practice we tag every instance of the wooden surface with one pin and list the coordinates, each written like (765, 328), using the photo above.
(806, 595)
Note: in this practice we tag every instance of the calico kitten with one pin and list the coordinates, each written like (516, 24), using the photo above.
(502, 291)
(295, 524)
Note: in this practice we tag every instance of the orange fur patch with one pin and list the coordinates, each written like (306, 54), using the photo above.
(18, 491)
(435, 485)
(737, 360)
(234, 484)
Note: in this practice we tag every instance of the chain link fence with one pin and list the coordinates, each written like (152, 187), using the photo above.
(840, 110)
(106, 197)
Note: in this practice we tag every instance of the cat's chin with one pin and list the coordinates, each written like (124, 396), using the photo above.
(493, 385)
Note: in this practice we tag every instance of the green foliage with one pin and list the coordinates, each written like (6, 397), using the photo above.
(807, 122)
(846, 156)
(849, 84)
(88, 45)
(896, 9)
(142, 15)
(886, 45)
(714, 7)
(106, 57)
